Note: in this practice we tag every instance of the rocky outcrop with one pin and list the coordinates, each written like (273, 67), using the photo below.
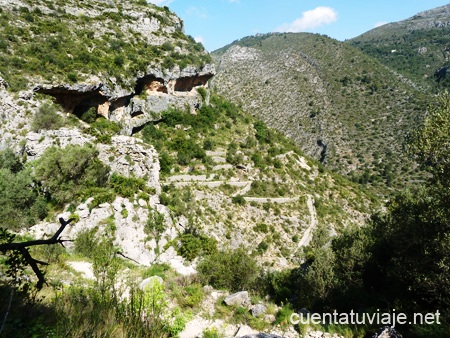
(155, 92)
(37, 143)
(240, 298)
(127, 60)
(130, 157)
(126, 155)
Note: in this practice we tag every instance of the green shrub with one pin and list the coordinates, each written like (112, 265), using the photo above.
(238, 199)
(65, 173)
(211, 333)
(191, 295)
(128, 186)
(46, 118)
(261, 227)
(192, 245)
(202, 92)
(262, 134)
(22, 202)
(9, 160)
(102, 129)
(232, 270)
(85, 243)
(100, 196)
(152, 135)
(262, 247)
(165, 163)
(155, 225)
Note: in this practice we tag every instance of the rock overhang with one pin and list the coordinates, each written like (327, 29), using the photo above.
(154, 91)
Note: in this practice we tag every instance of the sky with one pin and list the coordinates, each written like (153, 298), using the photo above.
(216, 23)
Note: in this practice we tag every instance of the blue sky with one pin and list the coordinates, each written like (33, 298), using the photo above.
(216, 23)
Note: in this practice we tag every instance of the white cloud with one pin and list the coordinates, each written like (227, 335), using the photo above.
(160, 2)
(199, 39)
(310, 19)
(381, 23)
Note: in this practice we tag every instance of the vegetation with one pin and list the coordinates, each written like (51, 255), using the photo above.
(22, 203)
(228, 181)
(400, 259)
(46, 44)
(231, 270)
(46, 118)
(65, 174)
(344, 107)
(412, 48)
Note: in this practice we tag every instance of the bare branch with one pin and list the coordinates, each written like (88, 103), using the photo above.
(22, 248)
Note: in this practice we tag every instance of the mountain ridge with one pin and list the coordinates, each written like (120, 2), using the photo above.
(418, 47)
(329, 95)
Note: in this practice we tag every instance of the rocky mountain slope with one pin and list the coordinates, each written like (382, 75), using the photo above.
(417, 47)
(339, 105)
(198, 153)
(99, 56)
(108, 118)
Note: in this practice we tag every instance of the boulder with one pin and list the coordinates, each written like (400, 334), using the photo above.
(258, 310)
(150, 282)
(240, 298)
(387, 332)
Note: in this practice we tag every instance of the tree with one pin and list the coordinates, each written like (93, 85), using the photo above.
(21, 202)
(233, 270)
(410, 263)
(65, 173)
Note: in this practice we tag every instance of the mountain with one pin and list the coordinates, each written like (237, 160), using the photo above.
(98, 55)
(108, 124)
(339, 105)
(418, 47)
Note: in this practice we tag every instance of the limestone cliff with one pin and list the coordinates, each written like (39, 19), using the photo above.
(100, 55)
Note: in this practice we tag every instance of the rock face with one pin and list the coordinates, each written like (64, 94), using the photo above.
(130, 157)
(154, 93)
(37, 143)
(126, 60)
(125, 155)
(240, 298)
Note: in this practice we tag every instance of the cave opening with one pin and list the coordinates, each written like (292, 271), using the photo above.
(150, 83)
(186, 84)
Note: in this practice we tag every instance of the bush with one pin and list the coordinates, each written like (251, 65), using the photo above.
(238, 199)
(165, 162)
(9, 160)
(20, 199)
(232, 270)
(65, 173)
(128, 186)
(192, 245)
(46, 118)
(102, 129)
(155, 224)
(86, 240)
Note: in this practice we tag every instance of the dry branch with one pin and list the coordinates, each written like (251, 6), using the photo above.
(22, 249)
